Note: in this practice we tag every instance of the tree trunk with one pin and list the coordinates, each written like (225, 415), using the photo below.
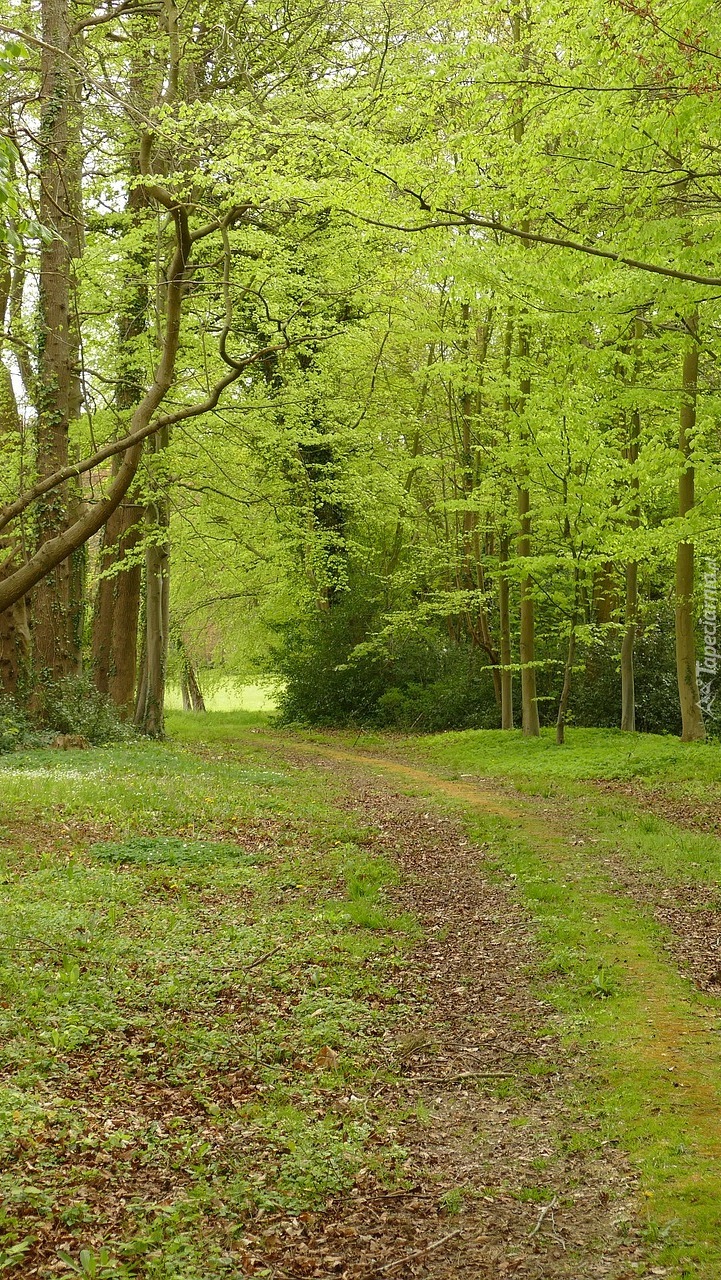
(566, 690)
(14, 622)
(568, 669)
(193, 699)
(692, 725)
(117, 605)
(529, 701)
(115, 619)
(58, 598)
(504, 611)
(150, 712)
(628, 693)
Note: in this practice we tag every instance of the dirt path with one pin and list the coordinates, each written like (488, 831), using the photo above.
(508, 1178)
(691, 914)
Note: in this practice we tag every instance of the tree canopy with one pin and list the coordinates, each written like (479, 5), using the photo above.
(372, 346)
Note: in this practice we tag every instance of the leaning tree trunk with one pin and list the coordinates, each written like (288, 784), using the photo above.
(58, 598)
(692, 725)
(190, 689)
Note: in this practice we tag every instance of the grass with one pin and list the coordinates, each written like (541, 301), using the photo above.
(587, 753)
(625, 1006)
(229, 696)
(656, 1085)
(181, 935)
(647, 1036)
(187, 929)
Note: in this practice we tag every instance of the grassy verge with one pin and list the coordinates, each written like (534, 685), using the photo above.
(655, 1077)
(657, 1081)
(196, 972)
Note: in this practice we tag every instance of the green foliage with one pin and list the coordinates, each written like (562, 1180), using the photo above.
(16, 727)
(73, 705)
(414, 679)
(169, 851)
(596, 693)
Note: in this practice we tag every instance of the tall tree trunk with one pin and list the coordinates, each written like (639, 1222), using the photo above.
(628, 690)
(527, 647)
(14, 621)
(504, 611)
(150, 710)
(529, 700)
(568, 669)
(117, 604)
(692, 725)
(58, 598)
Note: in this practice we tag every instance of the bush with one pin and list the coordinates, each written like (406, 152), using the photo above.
(16, 728)
(74, 705)
(596, 695)
(418, 679)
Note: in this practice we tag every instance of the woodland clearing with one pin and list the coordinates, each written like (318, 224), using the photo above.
(291, 1004)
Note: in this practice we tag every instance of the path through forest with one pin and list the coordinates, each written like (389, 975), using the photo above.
(278, 1006)
(535, 1188)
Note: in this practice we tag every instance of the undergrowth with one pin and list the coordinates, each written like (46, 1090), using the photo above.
(198, 966)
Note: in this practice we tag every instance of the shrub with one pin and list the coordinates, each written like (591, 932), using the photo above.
(16, 728)
(596, 695)
(417, 679)
(74, 705)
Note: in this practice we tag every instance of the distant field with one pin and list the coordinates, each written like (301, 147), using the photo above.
(231, 695)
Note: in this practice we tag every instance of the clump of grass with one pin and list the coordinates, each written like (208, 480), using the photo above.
(452, 1201)
(149, 851)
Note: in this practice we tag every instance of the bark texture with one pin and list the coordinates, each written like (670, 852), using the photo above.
(115, 621)
(191, 691)
(504, 611)
(14, 622)
(117, 604)
(58, 599)
(692, 725)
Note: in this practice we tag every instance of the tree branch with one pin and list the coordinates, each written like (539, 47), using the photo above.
(461, 218)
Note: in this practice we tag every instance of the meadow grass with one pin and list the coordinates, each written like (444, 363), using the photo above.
(181, 934)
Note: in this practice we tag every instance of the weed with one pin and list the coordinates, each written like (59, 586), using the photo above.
(452, 1201)
(602, 986)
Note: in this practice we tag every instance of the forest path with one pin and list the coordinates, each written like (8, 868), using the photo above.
(659, 1058)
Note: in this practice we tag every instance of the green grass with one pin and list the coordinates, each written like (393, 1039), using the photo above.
(180, 935)
(587, 753)
(229, 695)
(656, 1086)
(185, 926)
(634, 1018)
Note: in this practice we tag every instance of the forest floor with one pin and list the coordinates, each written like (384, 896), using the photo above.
(298, 1005)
